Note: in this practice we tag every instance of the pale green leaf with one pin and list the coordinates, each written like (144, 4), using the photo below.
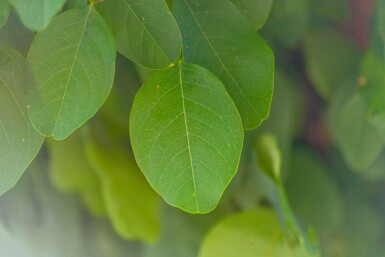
(73, 61)
(19, 142)
(132, 205)
(71, 173)
(76, 4)
(256, 11)
(4, 12)
(145, 31)
(36, 14)
(217, 36)
(256, 232)
(187, 136)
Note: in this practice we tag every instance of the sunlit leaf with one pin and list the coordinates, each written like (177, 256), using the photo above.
(187, 136)
(73, 61)
(217, 36)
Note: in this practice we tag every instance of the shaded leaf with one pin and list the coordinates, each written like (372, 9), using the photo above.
(256, 232)
(256, 11)
(132, 205)
(36, 14)
(145, 31)
(187, 136)
(76, 4)
(19, 142)
(4, 12)
(217, 36)
(71, 93)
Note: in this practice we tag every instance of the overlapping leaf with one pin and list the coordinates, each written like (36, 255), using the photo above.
(217, 36)
(19, 142)
(255, 10)
(36, 14)
(145, 31)
(4, 12)
(187, 136)
(73, 61)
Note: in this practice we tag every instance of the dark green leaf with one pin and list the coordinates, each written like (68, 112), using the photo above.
(36, 14)
(256, 10)
(256, 232)
(187, 136)
(73, 61)
(217, 36)
(145, 31)
(4, 12)
(19, 142)
(132, 205)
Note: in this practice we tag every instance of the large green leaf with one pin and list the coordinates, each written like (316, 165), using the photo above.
(187, 136)
(131, 203)
(19, 142)
(4, 12)
(256, 11)
(73, 61)
(217, 36)
(256, 232)
(36, 14)
(145, 31)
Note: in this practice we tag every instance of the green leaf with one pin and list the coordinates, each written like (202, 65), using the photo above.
(187, 136)
(145, 31)
(73, 61)
(36, 14)
(76, 4)
(269, 155)
(19, 142)
(357, 139)
(217, 36)
(256, 232)
(329, 58)
(256, 11)
(4, 12)
(131, 203)
(71, 173)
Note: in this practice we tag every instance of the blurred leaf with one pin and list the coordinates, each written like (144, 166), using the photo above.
(256, 11)
(145, 31)
(71, 93)
(253, 233)
(71, 173)
(131, 204)
(358, 141)
(313, 194)
(4, 12)
(329, 58)
(36, 14)
(20, 142)
(331, 10)
(76, 4)
(15, 34)
(187, 136)
(212, 30)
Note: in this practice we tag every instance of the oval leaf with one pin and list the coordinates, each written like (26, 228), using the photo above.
(36, 14)
(145, 31)
(253, 233)
(217, 36)
(73, 61)
(187, 136)
(19, 142)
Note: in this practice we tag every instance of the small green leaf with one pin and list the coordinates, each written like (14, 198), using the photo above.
(256, 232)
(73, 61)
(71, 173)
(145, 31)
(187, 136)
(269, 155)
(19, 142)
(131, 203)
(256, 11)
(217, 36)
(36, 14)
(4, 12)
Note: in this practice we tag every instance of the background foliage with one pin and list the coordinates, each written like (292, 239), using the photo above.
(143, 104)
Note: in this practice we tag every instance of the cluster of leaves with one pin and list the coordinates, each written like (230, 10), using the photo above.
(145, 102)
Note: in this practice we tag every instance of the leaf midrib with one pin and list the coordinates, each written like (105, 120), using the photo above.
(72, 67)
(219, 59)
